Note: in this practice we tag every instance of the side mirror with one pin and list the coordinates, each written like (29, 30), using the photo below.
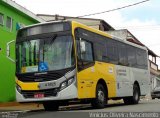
(83, 47)
(8, 45)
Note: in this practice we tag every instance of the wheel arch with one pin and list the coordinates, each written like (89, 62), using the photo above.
(102, 81)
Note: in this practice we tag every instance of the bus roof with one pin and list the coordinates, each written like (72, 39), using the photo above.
(77, 24)
(43, 23)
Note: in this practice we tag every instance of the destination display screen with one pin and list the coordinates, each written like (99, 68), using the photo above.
(44, 28)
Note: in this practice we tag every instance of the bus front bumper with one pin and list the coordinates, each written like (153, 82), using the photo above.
(68, 93)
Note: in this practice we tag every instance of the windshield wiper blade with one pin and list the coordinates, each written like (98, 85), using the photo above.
(53, 38)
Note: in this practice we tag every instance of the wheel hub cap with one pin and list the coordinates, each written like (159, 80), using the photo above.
(101, 96)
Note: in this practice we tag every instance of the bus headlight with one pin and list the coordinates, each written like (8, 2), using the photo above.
(18, 88)
(66, 83)
(63, 85)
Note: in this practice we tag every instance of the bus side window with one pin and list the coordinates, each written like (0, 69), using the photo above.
(112, 51)
(122, 54)
(101, 52)
(131, 52)
(85, 53)
(86, 50)
(141, 60)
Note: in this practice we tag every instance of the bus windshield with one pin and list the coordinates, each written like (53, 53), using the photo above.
(47, 54)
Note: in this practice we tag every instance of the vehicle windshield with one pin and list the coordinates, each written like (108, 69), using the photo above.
(47, 54)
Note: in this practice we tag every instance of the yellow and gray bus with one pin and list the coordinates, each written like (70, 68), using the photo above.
(60, 62)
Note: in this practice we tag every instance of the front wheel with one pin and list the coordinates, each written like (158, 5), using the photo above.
(135, 98)
(101, 97)
(51, 106)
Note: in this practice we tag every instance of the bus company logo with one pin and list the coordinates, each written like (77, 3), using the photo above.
(38, 80)
(36, 74)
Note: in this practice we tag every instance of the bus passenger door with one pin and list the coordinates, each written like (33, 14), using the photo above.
(85, 76)
(86, 84)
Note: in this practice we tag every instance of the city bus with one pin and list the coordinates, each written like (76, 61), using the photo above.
(58, 63)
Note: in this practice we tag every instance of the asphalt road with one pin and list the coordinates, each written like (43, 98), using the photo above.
(113, 110)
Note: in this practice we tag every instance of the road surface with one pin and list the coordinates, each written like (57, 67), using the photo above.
(146, 108)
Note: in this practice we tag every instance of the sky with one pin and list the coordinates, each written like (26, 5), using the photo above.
(142, 20)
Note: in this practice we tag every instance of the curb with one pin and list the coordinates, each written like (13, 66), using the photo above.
(11, 104)
(7, 104)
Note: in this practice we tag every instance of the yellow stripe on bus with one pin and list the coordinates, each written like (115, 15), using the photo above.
(28, 86)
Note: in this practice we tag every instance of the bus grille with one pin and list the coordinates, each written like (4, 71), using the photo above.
(47, 93)
(39, 78)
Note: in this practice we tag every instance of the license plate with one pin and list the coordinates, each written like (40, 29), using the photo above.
(38, 95)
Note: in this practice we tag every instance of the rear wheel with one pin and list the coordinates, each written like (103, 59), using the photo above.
(51, 106)
(101, 97)
(135, 98)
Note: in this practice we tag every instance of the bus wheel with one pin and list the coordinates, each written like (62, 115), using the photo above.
(135, 98)
(101, 97)
(51, 106)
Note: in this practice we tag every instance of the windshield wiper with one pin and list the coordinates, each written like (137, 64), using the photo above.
(53, 38)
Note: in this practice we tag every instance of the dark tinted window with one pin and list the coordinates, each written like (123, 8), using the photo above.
(141, 59)
(100, 52)
(131, 52)
(101, 49)
(112, 51)
(122, 52)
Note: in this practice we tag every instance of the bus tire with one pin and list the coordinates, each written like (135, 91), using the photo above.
(101, 97)
(135, 98)
(51, 106)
